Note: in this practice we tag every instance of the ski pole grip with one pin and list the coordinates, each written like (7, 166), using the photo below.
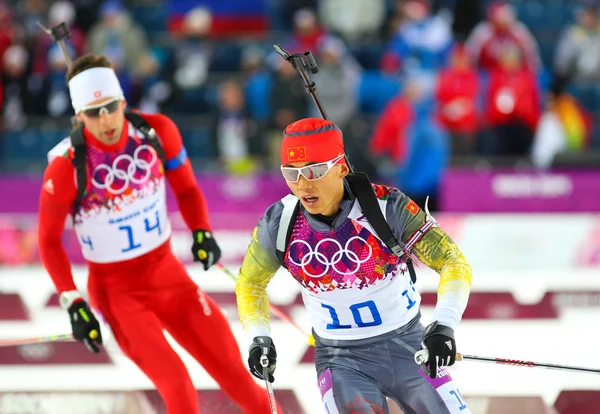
(264, 359)
(422, 356)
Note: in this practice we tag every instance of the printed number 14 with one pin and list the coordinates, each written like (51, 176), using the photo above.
(460, 399)
(407, 294)
(132, 244)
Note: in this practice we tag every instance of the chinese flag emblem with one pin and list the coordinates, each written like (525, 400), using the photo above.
(296, 154)
(412, 207)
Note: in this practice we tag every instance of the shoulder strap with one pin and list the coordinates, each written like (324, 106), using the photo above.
(149, 133)
(79, 149)
(291, 205)
(363, 190)
(78, 143)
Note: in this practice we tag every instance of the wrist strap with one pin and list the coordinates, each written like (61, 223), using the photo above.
(69, 297)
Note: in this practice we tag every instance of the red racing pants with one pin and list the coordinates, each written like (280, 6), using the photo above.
(139, 298)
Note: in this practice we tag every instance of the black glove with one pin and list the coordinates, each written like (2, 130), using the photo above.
(205, 249)
(262, 345)
(85, 326)
(439, 341)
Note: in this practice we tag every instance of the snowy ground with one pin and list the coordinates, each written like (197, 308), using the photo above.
(565, 340)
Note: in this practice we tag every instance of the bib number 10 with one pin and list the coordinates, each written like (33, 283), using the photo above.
(358, 318)
(365, 314)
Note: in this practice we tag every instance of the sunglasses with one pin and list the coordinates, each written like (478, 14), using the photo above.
(94, 111)
(310, 172)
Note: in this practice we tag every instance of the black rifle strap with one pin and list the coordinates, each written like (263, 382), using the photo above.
(79, 149)
(140, 124)
(291, 206)
(363, 191)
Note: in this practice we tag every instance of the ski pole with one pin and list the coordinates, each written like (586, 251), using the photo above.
(59, 33)
(36, 340)
(422, 356)
(264, 361)
(278, 312)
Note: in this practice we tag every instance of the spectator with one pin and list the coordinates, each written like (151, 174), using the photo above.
(512, 107)
(565, 126)
(288, 102)
(188, 65)
(578, 51)
(18, 100)
(389, 137)
(28, 13)
(115, 56)
(354, 20)
(258, 83)
(337, 79)
(63, 11)
(415, 148)
(10, 32)
(457, 92)
(193, 51)
(393, 21)
(87, 12)
(55, 89)
(236, 135)
(288, 98)
(59, 12)
(307, 32)
(467, 14)
(289, 8)
(422, 41)
(119, 34)
(502, 31)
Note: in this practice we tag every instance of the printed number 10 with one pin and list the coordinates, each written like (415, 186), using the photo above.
(355, 309)
(370, 305)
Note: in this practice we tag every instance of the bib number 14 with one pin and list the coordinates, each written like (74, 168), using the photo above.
(132, 245)
(130, 239)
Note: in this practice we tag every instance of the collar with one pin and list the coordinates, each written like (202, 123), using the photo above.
(325, 224)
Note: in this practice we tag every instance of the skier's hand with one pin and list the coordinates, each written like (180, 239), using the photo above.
(439, 341)
(262, 345)
(85, 326)
(205, 249)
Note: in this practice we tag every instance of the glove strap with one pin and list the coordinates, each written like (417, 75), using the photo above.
(435, 328)
(200, 235)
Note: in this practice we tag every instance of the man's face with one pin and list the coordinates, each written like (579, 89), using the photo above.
(231, 97)
(588, 18)
(104, 118)
(502, 16)
(320, 196)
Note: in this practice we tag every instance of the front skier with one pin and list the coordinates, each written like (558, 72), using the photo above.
(361, 301)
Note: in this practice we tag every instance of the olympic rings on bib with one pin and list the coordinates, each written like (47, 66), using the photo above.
(332, 261)
(127, 176)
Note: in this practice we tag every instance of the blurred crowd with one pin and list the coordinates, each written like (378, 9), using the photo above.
(420, 83)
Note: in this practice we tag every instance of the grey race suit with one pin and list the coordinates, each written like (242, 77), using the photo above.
(357, 373)
(362, 373)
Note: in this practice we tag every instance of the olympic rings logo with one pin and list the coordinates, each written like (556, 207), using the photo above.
(126, 175)
(335, 258)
